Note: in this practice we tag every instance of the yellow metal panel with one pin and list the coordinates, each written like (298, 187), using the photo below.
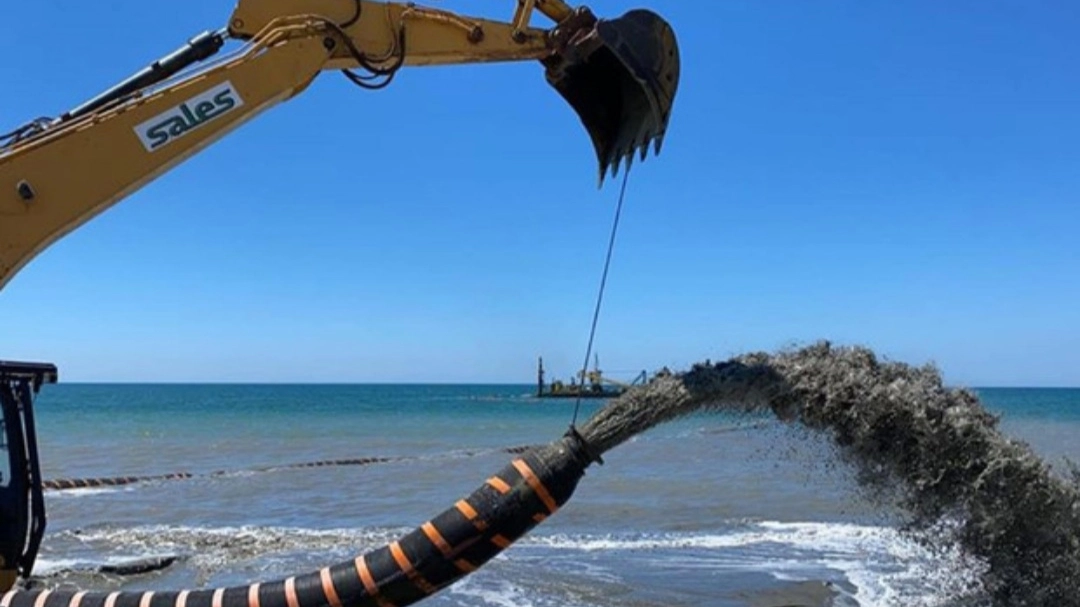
(84, 168)
(557, 10)
(432, 36)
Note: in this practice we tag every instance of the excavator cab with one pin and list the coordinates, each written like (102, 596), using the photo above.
(620, 76)
(22, 509)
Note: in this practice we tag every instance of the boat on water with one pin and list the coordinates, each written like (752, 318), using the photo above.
(586, 384)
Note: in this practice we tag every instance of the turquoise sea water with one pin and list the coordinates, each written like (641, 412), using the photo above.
(710, 510)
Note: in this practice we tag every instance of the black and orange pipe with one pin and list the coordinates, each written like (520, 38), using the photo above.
(441, 551)
(62, 484)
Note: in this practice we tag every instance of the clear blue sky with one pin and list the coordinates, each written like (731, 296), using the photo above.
(904, 175)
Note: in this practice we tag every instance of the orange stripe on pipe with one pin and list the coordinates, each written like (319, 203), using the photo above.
(403, 561)
(215, 600)
(466, 509)
(4, 602)
(365, 576)
(147, 596)
(328, 588)
(369, 582)
(44, 596)
(500, 541)
(537, 486)
(290, 592)
(253, 594)
(77, 598)
(181, 599)
(465, 566)
(110, 600)
(400, 558)
(470, 514)
(436, 538)
(499, 485)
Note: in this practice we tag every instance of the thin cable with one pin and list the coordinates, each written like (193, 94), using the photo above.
(356, 15)
(600, 295)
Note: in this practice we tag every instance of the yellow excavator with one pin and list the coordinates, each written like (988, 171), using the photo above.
(619, 75)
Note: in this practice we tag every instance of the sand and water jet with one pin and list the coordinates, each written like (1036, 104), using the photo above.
(933, 450)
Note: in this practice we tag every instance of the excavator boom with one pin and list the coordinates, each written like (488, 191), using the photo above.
(619, 75)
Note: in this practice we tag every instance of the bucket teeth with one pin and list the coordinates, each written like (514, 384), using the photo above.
(620, 76)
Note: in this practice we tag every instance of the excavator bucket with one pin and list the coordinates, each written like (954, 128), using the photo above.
(620, 76)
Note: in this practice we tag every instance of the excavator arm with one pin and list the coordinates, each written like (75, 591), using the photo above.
(619, 75)
(56, 174)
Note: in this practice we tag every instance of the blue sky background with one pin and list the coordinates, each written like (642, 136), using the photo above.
(902, 175)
